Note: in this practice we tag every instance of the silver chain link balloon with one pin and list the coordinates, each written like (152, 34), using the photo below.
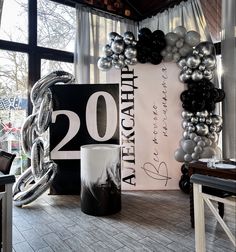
(37, 178)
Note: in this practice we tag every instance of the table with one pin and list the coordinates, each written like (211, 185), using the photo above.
(201, 168)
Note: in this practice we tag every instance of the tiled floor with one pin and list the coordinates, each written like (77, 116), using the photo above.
(149, 221)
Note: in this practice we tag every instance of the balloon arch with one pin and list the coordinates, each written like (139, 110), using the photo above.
(197, 63)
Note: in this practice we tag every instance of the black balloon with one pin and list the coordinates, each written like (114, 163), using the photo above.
(144, 34)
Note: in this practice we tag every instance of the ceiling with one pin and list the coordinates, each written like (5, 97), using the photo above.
(136, 10)
(143, 8)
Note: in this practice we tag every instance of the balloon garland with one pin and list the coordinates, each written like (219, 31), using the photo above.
(37, 178)
(197, 61)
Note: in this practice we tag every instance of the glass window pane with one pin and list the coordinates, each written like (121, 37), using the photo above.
(14, 22)
(13, 104)
(56, 25)
(48, 66)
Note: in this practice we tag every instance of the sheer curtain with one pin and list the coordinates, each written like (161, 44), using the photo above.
(228, 52)
(188, 14)
(92, 30)
(1, 6)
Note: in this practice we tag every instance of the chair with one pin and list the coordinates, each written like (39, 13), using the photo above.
(6, 160)
(227, 185)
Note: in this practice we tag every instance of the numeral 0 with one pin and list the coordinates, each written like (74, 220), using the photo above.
(91, 124)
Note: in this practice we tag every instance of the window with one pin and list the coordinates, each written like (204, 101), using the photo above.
(36, 38)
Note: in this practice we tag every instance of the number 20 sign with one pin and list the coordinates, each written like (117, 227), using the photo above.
(83, 114)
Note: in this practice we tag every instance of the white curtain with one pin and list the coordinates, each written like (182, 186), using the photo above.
(188, 14)
(92, 30)
(1, 6)
(228, 52)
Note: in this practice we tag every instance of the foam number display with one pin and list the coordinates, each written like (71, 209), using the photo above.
(83, 114)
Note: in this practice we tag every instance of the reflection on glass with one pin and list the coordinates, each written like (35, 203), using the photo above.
(14, 21)
(56, 25)
(48, 66)
(13, 104)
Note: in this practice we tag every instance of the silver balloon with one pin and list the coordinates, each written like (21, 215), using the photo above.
(209, 61)
(45, 113)
(119, 64)
(217, 120)
(180, 31)
(213, 136)
(107, 50)
(188, 158)
(174, 49)
(130, 52)
(197, 139)
(118, 46)
(37, 158)
(212, 128)
(193, 61)
(104, 64)
(208, 120)
(202, 129)
(192, 136)
(111, 36)
(188, 146)
(179, 155)
(24, 192)
(185, 50)
(207, 74)
(42, 170)
(202, 119)
(134, 43)
(128, 35)
(186, 135)
(206, 48)
(121, 56)
(133, 61)
(197, 75)
(171, 38)
(208, 152)
(183, 76)
(198, 149)
(127, 41)
(176, 57)
(179, 43)
(115, 56)
(187, 115)
(194, 120)
(201, 143)
(192, 38)
(201, 67)
(184, 124)
(195, 156)
(168, 57)
(182, 62)
(203, 113)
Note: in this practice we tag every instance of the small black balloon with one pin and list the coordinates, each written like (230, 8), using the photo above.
(145, 35)
(158, 34)
(184, 169)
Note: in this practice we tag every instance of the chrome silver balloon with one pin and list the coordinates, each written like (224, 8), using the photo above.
(130, 52)
(202, 129)
(42, 170)
(118, 46)
(104, 64)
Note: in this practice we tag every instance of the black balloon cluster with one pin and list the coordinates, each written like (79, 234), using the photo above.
(149, 46)
(201, 96)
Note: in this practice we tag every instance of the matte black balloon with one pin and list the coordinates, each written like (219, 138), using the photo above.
(145, 34)
(197, 105)
(221, 95)
(210, 106)
(158, 34)
(184, 169)
(156, 58)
